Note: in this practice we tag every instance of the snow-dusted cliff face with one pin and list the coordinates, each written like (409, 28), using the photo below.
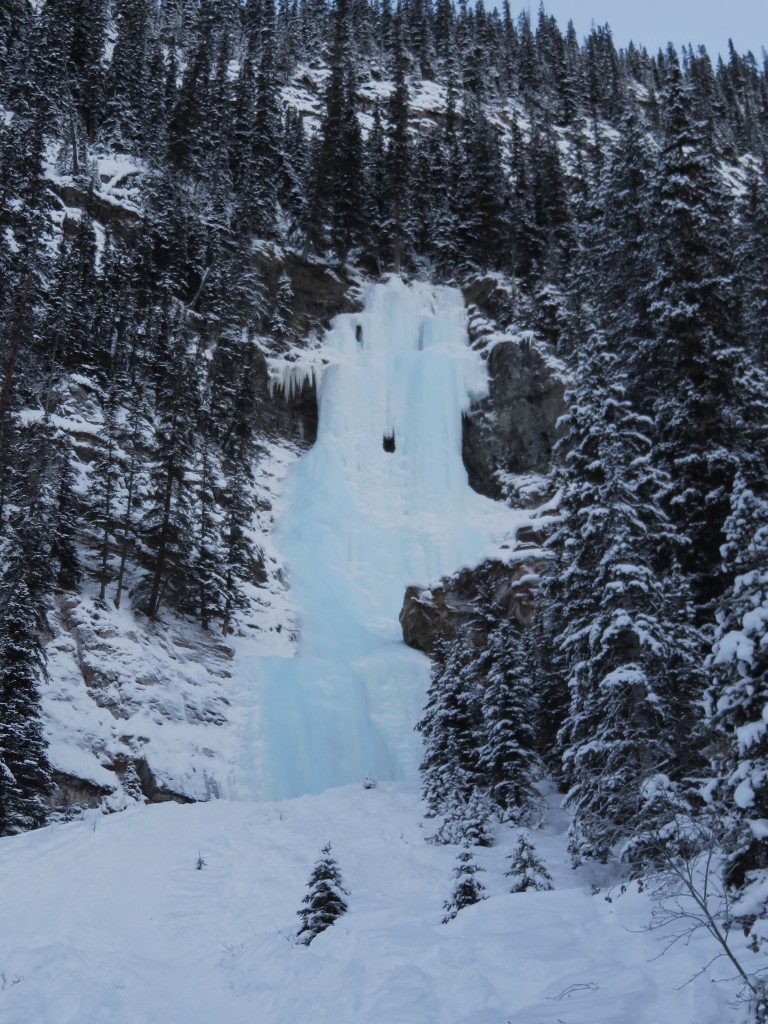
(380, 501)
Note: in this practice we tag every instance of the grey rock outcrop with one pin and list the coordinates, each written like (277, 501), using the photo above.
(512, 432)
(451, 607)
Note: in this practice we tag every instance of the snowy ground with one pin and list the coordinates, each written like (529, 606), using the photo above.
(108, 920)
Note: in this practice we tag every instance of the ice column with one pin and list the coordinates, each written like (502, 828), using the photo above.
(379, 502)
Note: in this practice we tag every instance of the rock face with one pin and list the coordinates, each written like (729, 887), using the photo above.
(513, 431)
(319, 294)
(451, 608)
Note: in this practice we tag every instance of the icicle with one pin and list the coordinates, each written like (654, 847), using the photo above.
(290, 378)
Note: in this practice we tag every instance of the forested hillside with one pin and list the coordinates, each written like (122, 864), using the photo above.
(191, 188)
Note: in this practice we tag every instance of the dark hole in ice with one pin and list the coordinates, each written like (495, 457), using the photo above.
(389, 442)
(359, 334)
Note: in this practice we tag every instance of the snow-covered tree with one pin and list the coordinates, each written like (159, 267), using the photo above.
(526, 869)
(686, 372)
(25, 773)
(466, 821)
(509, 762)
(467, 888)
(738, 696)
(324, 902)
(451, 727)
(627, 654)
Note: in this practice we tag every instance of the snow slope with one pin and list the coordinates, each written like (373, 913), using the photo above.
(360, 523)
(107, 921)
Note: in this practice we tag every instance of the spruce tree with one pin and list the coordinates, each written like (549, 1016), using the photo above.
(282, 312)
(266, 141)
(482, 199)
(686, 374)
(127, 79)
(465, 821)
(509, 762)
(25, 773)
(526, 869)
(324, 903)
(335, 209)
(738, 694)
(166, 529)
(628, 655)
(467, 889)
(451, 727)
(398, 149)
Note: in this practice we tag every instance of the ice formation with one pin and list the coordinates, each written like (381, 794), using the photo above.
(380, 501)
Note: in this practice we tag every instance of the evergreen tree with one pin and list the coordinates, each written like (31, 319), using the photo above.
(482, 199)
(526, 869)
(751, 257)
(282, 312)
(238, 555)
(336, 206)
(104, 488)
(324, 903)
(166, 528)
(509, 762)
(465, 821)
(128, 79)
(739, 691)
(398, 149)
(467, 889)
(209, 567)
(451, 728)
(25, 774)
(376, 190)
(267, 141)
(133, 478)
(628, 656)
(693, 351)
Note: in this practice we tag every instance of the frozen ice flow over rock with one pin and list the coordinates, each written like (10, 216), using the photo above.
(380, 501)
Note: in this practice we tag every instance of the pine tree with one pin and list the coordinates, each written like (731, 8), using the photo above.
(693, 357)
(509, 762)
(628, 655)
(166, 528)
(376, 191)
(398, 149)
(128, 79)
(451, 726)
(336, 205)
(752, 259)
(324, 903)
(267, 141)
(239, 555)
(25, 773)
(465, 821)
(526, 869)
(467, 889)
(282, 312)
(133, 476)
(104, 487)
(482, 200)
(739, 691)
(209, 569)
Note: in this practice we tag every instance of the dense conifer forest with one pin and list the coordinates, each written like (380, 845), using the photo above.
(616, 201)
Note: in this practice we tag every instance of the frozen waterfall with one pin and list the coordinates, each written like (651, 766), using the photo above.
(379, 502)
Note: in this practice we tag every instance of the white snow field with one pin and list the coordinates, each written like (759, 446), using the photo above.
(359, 524)
(108, 921)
